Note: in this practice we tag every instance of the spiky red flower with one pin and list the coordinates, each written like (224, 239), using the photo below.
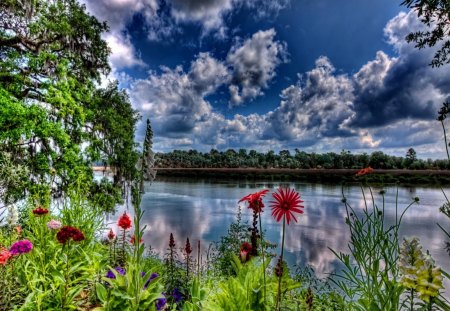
(254, 200)
(124, 221)
(287, 201)
(364, 171)
(111, 234)
(246, 249)
(67, 232)
(39, 211)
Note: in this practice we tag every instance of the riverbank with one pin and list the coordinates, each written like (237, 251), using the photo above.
(406, 177)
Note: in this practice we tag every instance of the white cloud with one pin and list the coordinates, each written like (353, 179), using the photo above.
(254, 62)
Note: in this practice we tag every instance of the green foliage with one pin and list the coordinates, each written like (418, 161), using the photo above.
(245, 290)
(300, 159)
(370, 279)
(229, 246)
(128, 292)
(54, 122)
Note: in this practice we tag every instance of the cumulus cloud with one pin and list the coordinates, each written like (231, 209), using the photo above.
(117, 13)
(319, 105)
(254, 62)
(207, 12)
(389, 103)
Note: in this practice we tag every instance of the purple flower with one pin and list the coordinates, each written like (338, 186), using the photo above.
(110, 274)
(177, 295)
(153, 276)
(21, 247)
(160, 303)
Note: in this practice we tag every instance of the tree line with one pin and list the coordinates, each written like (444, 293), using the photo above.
(298, 159)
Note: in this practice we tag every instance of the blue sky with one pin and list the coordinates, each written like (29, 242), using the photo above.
(317, 75)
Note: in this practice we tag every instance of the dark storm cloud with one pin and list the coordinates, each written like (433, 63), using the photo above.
(391, 89)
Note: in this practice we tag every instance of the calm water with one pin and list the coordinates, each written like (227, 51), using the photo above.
(204, 210)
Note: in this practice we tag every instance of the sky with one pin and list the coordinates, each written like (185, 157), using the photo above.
(316, 75)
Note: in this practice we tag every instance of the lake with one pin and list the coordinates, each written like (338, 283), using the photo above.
(203, 210)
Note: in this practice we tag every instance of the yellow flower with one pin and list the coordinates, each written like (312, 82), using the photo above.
(429, 280)
(410, 261)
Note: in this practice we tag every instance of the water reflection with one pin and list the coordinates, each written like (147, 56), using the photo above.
(203, 211)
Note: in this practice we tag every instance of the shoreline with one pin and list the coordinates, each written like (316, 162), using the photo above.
(378, 176)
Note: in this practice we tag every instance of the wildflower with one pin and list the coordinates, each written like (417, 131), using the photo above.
(364, 171)
(40, 211)
(54, 224)
(188, 248)
(13, 215)
(177, 295)
(133, 239)
(18, 230)
(110, 274)
(4, 256)
(254, 200)
(124, 221)
(429, 280)
(111, 235)
(171, 241)
(411, 259)
(286, 202)
(246, 249)
(67, 232)
(21, 247)
(152, 276)
(279, 268)
(161, 303)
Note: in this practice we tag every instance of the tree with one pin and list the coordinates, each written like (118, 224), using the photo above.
(435, 14)
(148, 158)
(411, 155)
(52, 117)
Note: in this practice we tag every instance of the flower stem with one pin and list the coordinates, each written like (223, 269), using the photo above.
(445, 139)
(262, 255)
(281, 266)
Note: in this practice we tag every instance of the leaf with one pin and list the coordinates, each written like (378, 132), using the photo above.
(101, 292)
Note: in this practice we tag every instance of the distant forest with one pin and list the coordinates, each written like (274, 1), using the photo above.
(299, 159)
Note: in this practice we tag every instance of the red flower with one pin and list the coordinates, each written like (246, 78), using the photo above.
(111, 234)
(133, 239)
(254, 200)
(365, 171)
(67, 232)
(40, 211)
(286, 202)
(124, 221)
(246, 249)
(4, 256)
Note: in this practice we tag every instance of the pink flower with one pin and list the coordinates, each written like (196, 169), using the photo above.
(21, 247)
(54, 224)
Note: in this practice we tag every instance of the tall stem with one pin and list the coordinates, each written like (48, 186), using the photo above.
(411, 306)
(262, 254)
(281, 266)
(445, 139)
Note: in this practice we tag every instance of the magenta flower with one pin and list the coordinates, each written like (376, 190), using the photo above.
(21, 247)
